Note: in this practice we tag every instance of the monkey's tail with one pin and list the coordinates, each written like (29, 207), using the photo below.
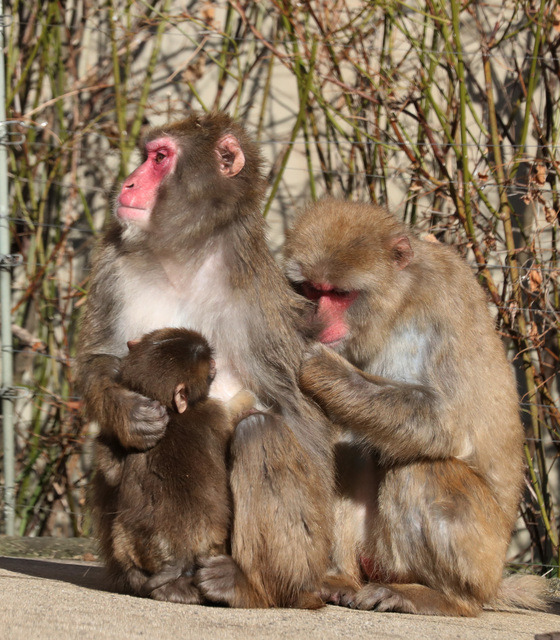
(522, 591)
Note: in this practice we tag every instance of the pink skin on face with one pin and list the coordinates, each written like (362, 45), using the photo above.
(139, 191)
(331, 305)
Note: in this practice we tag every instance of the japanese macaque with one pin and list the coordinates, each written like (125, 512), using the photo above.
(160, 511)
(187, 248)
(429, 462)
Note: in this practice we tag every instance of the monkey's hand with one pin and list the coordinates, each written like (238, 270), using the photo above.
(345, 393)
(401, 420)
(136, 421)
(146, 424)
(321, 372)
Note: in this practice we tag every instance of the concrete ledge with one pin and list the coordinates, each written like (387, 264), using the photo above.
(66, 599)
(45, 547)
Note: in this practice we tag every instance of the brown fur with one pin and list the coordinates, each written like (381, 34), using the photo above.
(430, 409)
(160, 511)
(201, 261)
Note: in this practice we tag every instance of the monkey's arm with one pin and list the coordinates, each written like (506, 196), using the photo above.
(402, 421)
(134, 420)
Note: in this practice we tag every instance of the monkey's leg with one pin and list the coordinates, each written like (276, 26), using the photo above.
(441, 534)
(171, 584)
(129, 581)
(345, 576)
(279, 542)
(355, 506)
(181, 590)
(221, 580)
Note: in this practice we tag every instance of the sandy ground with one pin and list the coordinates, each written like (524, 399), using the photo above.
(50, 598)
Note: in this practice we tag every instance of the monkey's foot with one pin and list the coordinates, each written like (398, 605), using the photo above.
(181, 591)
(338, 590)
(221, 580)
(241, 405)
(377, 597)
(411, 598)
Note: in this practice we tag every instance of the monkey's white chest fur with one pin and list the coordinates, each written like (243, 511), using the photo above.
(405, 354)
(198, 298)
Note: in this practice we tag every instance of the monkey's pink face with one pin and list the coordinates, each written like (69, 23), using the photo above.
(332, 305)
(139, 191)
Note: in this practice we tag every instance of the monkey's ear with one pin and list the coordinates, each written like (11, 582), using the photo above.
(212, 369)
(132, 343)
(402, 251)
(230, 155)
(180, 398)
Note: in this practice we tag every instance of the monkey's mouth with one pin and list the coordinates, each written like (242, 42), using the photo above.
(125, 212)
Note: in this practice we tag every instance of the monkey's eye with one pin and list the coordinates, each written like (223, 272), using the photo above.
(159, 157)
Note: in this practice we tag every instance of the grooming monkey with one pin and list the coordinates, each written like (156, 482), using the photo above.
(160, 511)
(429, 464)
(187, 248)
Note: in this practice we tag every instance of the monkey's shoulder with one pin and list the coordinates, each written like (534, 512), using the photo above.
(442, 268)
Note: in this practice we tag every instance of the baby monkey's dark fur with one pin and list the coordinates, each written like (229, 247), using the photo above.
(160, 510)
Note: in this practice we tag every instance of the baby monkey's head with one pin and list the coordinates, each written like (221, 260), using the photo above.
(173, 366)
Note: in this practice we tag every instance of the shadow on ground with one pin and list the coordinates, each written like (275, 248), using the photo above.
(82, 575)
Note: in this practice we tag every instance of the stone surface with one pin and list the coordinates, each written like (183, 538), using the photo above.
(52, 598)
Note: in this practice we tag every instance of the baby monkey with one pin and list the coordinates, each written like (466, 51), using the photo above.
(159, 511)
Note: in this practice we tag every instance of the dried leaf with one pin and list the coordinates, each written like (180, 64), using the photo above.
(208, 14)
(533, 332)
(540, 174)
(556, 18)
(535, 279)
(490, 240)
(513, 309)
(195, 70)
(551, 215)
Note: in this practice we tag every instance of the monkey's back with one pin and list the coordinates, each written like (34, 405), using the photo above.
(173, 500)
(469, 368)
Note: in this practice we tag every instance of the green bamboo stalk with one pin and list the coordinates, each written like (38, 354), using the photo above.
(540, 500)
(307, 78)
(505, 215)
(265, 94)
(120, 103)
(531, 87)
(309, 160)
(462, 157)
(146, 86)
(38, 46)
